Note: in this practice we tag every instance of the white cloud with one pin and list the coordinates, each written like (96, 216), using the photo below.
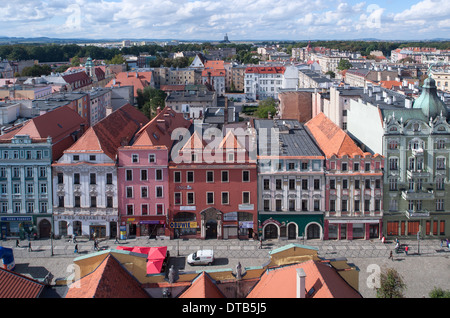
(209, 20)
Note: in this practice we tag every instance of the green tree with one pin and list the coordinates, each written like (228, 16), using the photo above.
(75, 61)
(37, 70)
(391, 284)
(265, 106)
(331, 73)
(117, 59)
(150, 99)
(438, 292)
(344, 65)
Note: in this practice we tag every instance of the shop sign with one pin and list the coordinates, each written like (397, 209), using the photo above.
(151, 222)
(231, 216)
(246, 207)
(183, 225)
(271, 221)
(188, 208)
(16, 218)
(187, 187)
(246, 224)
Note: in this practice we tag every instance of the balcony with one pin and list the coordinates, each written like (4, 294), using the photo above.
(418, 195)
(417, 174)
(417, 152)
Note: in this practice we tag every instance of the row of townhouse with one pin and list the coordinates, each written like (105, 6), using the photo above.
(170, 177)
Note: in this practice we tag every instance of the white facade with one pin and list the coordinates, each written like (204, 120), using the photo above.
(85, 195)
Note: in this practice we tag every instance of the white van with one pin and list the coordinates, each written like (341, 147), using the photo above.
(201, 257)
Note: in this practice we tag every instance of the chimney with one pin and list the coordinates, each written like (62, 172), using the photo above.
(225, 112)
(301, 288)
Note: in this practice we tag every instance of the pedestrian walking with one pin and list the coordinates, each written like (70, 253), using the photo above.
(260, 243)
(29, 247)
(116, 241)
(383, 239)
(76, 249)
(396, 247)
(17, 243)
(74, 238)
(391, 256)
(406, 249)
(96, 245)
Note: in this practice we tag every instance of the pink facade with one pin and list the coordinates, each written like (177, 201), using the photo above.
(143, 190)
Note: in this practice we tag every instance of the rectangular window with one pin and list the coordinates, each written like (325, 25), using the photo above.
(304, 184)
(109, 201)
(291, 184)
(209, 197)
(225, 198)
(266, 205)
(129, 191)
(278, 205)
(266, 183)
(225, 176)
(144, 209)
(77, 201)
(130, 209)
(316, 184)
(60, 178)
(190, 198)
(344, 184)
(245, 176)
(177, 176)
(159, 209)
(356, 207)
(190, 176)
(344, 206)
(332, 205)
(129, 175)
(93, 178)
(93, 201)
(177, 198)
(332, 184)
(159, 192)
(210, 176)
(291, 205)
(246, 197)
(144, 192)
(151, 158)
(439, 204)
(134, 158)
(158, 175)
(109, 178)
(144, 175)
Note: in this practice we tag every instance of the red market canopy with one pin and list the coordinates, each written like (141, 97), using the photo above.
(157, 253)
(141, 249)
(154, 266)
(125, 248)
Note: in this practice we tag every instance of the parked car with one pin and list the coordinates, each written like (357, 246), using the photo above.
(201, 257)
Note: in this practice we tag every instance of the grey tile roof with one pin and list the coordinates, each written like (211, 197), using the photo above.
(293, 139)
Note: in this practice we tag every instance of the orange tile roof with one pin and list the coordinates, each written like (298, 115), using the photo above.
(15, 285)
(58, 124)
(108, 280)
(331, 139)
(215, 64)
(139, 80)
(281, 282)
(390, 84)
(111, 132)
(265, 69)
(158, 132)
(202, 287)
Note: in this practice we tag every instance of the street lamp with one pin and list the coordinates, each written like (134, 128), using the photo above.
(418, 242)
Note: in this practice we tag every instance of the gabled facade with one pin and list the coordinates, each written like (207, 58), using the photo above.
(354, 184)
(143, 176)
(213, 186)
(85, 178)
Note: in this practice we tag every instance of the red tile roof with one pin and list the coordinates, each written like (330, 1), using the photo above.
(110, 133)
(108, 280)
(158, 132)
(331, 139)
(15, 285)
(322, 281)
(202, 287)
(265, 69)
(57, 124)
(139, 80)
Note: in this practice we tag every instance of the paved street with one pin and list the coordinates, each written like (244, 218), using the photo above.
(426, 265)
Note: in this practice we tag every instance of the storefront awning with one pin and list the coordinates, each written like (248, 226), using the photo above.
(154, 266)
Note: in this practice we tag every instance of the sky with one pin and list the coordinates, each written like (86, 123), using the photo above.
(293, 20)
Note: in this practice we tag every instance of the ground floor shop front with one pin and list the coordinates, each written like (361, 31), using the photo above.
(290, 226)
(425, 225)
(91, 226)
(26, 226)
(148, 226)
(352, 229)
(212, 223)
